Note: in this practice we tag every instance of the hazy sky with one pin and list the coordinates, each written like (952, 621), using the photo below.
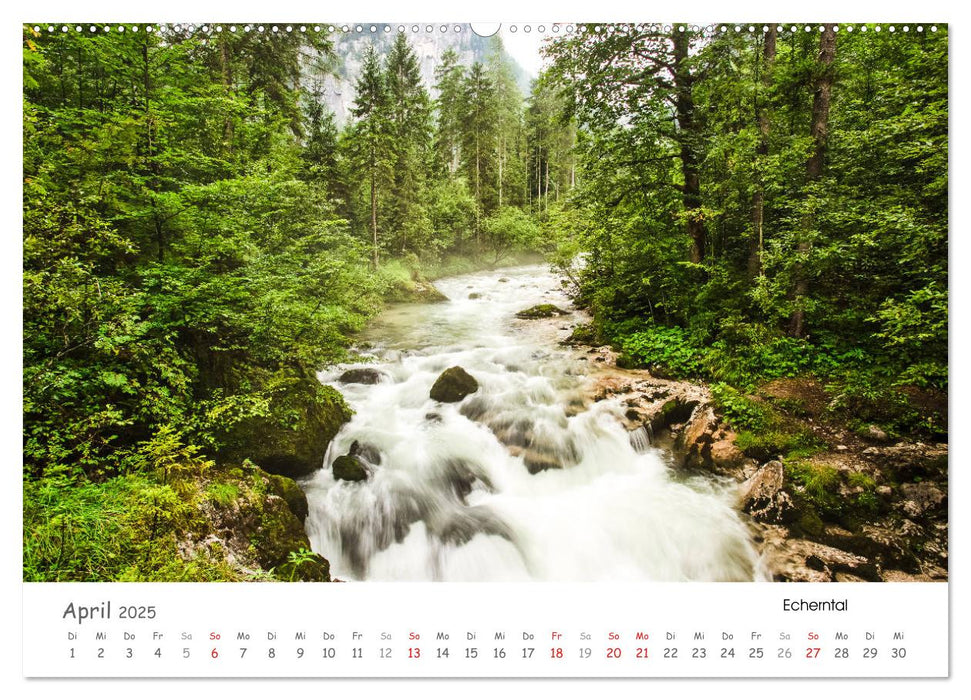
(524, 47)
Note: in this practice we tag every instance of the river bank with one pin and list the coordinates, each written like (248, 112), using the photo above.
(455, 492)
(855, 510)
(823, 502)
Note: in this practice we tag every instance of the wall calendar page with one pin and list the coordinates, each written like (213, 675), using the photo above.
(566, 349)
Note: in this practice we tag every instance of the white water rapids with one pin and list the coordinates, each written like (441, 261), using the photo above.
(451, 493)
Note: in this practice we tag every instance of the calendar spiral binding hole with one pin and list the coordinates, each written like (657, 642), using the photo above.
(555, 29)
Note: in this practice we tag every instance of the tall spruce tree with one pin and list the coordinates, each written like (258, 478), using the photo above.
(410, 128)
(449, 82)
(372, 137)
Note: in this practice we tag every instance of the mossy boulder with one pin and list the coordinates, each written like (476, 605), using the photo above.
(291, 435)
(583, 334)
(278, 532)
(289, 491)
(453, 385)
(415, 290)
(542, 311)
(260, 529)
(349, 468)
(810, 524)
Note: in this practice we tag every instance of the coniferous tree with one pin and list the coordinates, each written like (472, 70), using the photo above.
(372, 137)
(410, 128)
(449, 80)
(479, 139)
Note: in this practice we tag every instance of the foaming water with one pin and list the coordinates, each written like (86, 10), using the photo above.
(522, 480)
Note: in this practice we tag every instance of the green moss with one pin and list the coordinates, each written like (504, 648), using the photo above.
(453, 385)
(811, 524)
(349, 468)
(789, 443)
(222, 494)
(288, 490)
(819, 481)
(861, 480)
(278, 533)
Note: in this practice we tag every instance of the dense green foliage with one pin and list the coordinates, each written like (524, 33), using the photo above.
(200, 238)
(755, 205)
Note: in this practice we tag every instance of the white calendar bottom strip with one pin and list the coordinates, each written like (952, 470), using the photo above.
(486, 630)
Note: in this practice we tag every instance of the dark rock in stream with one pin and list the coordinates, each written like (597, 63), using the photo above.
(536, 461)
(349, 468)
(453, 385)
(361, 375)
(369, 453)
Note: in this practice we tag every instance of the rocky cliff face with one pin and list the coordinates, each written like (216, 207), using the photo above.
(336, 83)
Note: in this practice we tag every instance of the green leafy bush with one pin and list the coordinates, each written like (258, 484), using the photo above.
(740, 410)
(670, 348)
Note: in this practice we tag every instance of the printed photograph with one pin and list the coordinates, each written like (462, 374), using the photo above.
(448, 302)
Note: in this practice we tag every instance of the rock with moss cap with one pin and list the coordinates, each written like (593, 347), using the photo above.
(291, 439)
(349, 468)
(542, 311)
(288, 490)
(453, 385)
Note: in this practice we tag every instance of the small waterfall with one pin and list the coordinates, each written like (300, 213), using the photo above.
(641, 438)
(520, 480)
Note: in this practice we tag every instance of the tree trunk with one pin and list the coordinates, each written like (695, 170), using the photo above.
(374, 213)
(685, 113)
(501, 151)
(546, 187)
(761, 151)
(819, 130)
(478, 195)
